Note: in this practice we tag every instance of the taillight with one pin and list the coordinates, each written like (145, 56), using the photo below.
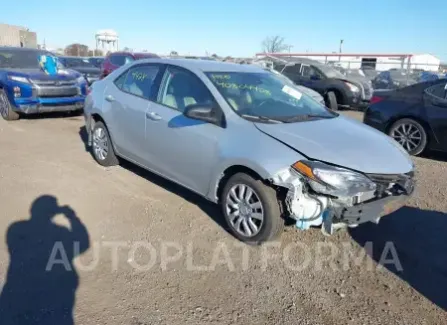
(375, 99)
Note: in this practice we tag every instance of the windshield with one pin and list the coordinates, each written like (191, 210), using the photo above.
(19, 58)
(264, 95)
(330, 72)
(76, 62)
(356, 73)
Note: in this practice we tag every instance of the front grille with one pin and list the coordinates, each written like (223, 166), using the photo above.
(54, 83)
(57, 91)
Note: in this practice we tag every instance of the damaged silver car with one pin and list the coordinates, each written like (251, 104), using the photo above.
(248, 141)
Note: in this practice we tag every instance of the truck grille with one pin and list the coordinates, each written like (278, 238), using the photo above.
(55, 88)
(66, 91)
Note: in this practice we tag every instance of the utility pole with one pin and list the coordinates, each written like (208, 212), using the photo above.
(339, 50)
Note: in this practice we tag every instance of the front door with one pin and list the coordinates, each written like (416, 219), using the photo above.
(182, 149)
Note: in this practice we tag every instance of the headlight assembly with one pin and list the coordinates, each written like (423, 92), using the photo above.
(19, 79)
(336, 181)
(352, 87)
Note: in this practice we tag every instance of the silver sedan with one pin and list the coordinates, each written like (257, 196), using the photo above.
(249, 141)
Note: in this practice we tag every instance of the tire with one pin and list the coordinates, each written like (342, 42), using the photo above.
(6, 108)
(331, 101)
(263, 201)
(102, 147)
(410, 134)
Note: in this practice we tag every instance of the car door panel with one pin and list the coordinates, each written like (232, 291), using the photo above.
(436, 112)
(180, 148)
(129, 101)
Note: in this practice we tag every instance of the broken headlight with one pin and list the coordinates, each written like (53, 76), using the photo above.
(336, 181)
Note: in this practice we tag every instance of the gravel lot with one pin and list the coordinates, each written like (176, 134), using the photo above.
(236, 284)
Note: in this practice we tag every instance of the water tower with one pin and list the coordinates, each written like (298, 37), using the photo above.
(107, 40)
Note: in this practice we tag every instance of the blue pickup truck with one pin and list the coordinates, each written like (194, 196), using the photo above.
(25, 88)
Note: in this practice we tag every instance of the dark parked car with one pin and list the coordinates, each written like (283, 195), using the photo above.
(26, 89)
(117, 59)
(96, 60)
(393, 79)
(81, 65)
(337, 89)
(415, 116)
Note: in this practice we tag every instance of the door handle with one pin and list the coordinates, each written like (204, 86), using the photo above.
(110, 98)
(153, 116)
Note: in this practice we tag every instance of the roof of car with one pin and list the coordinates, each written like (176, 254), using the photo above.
(208, 65)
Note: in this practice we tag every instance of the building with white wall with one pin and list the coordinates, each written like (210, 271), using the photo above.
(379, 62)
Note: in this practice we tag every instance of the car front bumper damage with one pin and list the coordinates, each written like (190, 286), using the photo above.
(313, 209)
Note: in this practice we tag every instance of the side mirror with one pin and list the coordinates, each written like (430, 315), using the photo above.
(202, 113)
(439, 102)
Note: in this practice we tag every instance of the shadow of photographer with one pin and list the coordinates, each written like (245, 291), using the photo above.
(41, 280)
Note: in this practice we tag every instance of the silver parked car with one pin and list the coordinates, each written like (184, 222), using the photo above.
(247, 140)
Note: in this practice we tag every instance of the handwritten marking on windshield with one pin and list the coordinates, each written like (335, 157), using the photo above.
(221, 76)
(232, 85)
(140, 76)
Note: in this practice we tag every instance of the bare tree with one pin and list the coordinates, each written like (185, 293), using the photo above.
(173, 53)
(274, 44)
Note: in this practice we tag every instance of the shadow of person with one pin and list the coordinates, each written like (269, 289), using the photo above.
(41, 281)
(413, 244)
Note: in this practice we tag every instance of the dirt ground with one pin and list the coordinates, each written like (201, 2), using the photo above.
(153, 253)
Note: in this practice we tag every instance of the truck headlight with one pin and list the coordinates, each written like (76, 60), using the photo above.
(330, 180)
(352, 87)
(19, 79)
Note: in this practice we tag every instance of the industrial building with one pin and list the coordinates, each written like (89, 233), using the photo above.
(19, 36)
(379, 62)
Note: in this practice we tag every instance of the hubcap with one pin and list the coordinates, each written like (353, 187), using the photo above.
(244, 210)
(100, 144)
(408, 135)
(3, 105)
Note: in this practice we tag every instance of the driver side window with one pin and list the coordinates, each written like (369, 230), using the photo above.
(183, 88)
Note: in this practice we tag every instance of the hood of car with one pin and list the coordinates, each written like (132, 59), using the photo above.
(38, 74)
(344, 142)
(87, 70)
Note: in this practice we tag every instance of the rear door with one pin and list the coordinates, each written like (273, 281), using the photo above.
(128, 97)
(293, 73)
(436, 110)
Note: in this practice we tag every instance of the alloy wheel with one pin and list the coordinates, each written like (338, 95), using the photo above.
(408, 135)
(244, 210)
(100, 143)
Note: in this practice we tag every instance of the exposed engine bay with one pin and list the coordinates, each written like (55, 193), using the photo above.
(310, 208)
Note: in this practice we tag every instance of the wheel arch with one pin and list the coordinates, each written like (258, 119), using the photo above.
(341, 100)
(228, 172)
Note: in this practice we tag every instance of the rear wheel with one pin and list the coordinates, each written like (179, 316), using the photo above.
(251, 209)
(102, 147)
(6, 108)
(410, 134)
(331, 101)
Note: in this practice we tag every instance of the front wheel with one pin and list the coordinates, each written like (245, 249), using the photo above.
(410, 134)
(251, 209)
(6, 108)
